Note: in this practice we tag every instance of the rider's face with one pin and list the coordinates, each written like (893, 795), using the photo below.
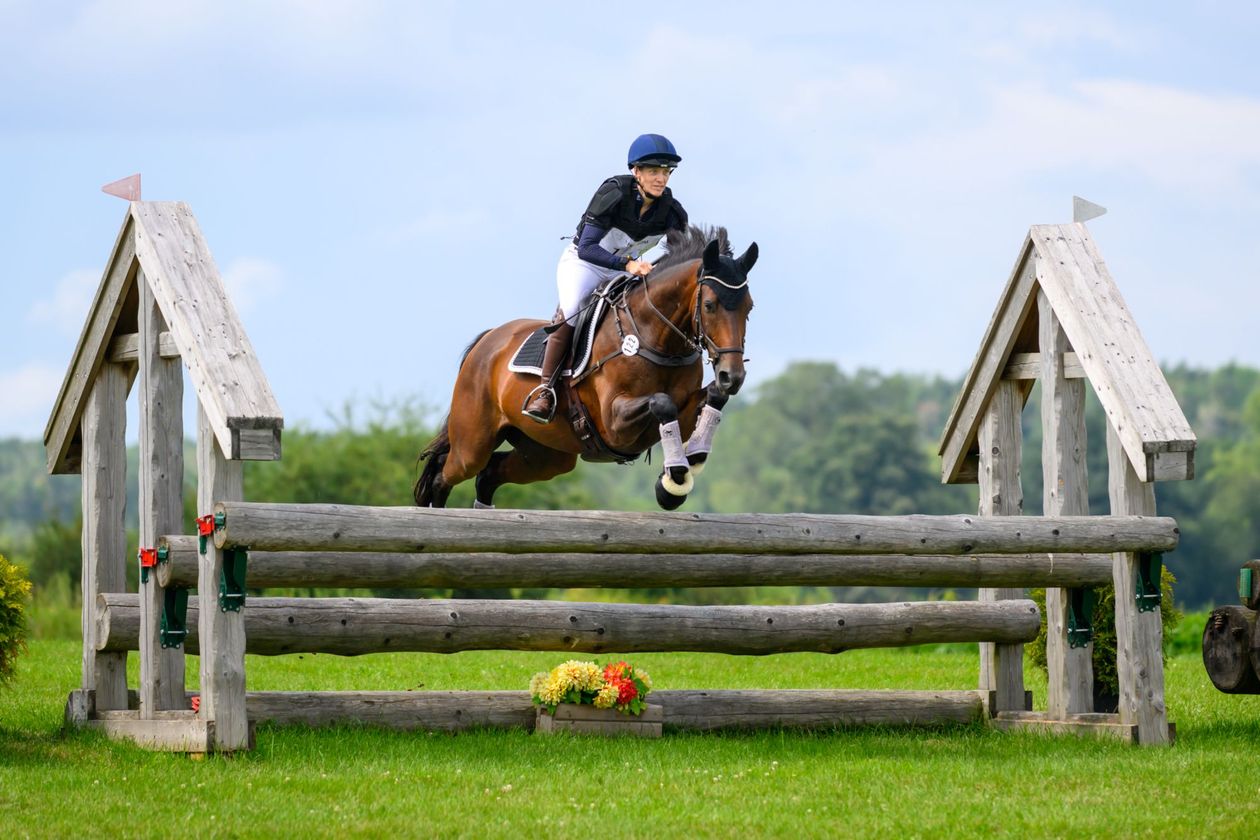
(652, 179)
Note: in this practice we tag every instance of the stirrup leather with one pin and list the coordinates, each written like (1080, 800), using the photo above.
(538, 416)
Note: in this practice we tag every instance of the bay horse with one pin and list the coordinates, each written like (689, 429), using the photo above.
(643, 384)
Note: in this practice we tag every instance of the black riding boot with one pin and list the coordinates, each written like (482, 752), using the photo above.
(541, 402)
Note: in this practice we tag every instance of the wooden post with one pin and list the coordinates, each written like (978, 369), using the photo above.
(161, 482)
(1139, 635)
(1001, 441)
(104, 490)
(222, 633)
(1065, 493)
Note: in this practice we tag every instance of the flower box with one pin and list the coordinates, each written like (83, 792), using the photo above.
(572, 717)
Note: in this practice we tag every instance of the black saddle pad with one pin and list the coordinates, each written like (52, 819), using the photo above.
(528, 358)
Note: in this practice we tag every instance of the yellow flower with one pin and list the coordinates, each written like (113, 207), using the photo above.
(607, 697)
(584, 676)
(537, 682)
(647, 681)
(554, 689)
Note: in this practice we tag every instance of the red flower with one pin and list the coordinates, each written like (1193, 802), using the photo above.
(626, 691)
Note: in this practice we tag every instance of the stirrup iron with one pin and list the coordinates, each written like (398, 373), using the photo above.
(539, 418)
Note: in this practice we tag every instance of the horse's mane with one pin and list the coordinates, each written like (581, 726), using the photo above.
(689, 244)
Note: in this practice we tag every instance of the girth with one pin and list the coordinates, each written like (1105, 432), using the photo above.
(594, 448)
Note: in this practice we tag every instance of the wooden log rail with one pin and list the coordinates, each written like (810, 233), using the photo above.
(353, 626)
(291, 527)
(383, 570)
(684, 709)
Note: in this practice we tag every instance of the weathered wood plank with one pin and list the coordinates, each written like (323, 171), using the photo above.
(1014, 306)
(381, 570)
(61, 444)
(1086, 725)
(354, 626)
(1139, 635)
(1065, 492)
(161, 480)
(289, 527)
(1001, 494)
(183, 734)
(221, 361)
(1029, 366)
(256, 444)
(126, 348)
(1121, 368)
(682, 709)
(588, 719)
(104, 495)
(223, 667)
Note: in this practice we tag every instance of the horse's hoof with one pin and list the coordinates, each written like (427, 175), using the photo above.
(666, 499)
(696, 466)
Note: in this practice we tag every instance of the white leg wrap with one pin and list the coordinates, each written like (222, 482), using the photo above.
(706, 427)
(477, 505)
(672, 445)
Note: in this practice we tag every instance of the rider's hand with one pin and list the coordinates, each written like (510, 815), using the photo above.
(638, 268)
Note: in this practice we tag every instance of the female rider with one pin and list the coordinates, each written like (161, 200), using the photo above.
(624, 210)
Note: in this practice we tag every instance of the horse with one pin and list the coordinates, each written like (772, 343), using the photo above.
(643, 383)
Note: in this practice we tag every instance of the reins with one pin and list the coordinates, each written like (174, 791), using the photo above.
(699, 344)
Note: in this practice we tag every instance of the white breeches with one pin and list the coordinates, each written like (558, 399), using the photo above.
(576, 278)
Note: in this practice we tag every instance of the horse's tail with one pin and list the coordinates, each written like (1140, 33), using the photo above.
(434, 457)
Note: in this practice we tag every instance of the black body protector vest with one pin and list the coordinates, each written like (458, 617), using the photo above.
(615, 205)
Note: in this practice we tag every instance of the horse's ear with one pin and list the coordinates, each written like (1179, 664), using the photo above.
(712, 256)
(748, 259)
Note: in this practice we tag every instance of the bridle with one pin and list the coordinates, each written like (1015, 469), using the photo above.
(703, 341)
(699, 340)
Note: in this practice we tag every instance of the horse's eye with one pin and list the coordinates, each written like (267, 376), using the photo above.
(710, 307)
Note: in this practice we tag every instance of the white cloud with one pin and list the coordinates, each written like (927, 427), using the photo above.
(251, 281)
(1196, 145)
(26, 398)
(66, 310)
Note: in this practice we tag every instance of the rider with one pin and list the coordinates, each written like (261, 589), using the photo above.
(624, 210)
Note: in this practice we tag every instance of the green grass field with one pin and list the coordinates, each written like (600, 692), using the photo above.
(849, 783)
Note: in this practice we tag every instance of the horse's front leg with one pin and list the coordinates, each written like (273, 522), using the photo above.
(700, 444)
(675, 480)
(633, 413)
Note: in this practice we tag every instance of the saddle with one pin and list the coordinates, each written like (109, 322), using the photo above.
(528, 358)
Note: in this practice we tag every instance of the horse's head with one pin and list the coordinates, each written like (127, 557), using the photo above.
(722, 306)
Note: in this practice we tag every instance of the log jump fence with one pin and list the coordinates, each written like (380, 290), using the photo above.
(161, 309)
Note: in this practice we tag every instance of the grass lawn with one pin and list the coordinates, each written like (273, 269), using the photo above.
(852, 783)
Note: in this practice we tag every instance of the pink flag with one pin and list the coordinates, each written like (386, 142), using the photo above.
(128, 188)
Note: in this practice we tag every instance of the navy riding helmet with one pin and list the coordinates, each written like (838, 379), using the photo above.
(652, 150)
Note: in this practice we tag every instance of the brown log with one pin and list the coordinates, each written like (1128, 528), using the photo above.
(353, 626)
(1227, 653)
(683, 709)
(384, 570)
(291, 527)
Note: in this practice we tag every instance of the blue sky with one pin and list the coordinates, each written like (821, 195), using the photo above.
(379, 181)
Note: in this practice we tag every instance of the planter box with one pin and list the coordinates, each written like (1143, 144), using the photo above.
(575, 718)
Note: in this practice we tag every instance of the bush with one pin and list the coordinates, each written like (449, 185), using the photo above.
(14, 590)
(1106, 680)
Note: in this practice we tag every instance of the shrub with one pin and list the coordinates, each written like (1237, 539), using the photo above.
(1106, 680)
(14, 590)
